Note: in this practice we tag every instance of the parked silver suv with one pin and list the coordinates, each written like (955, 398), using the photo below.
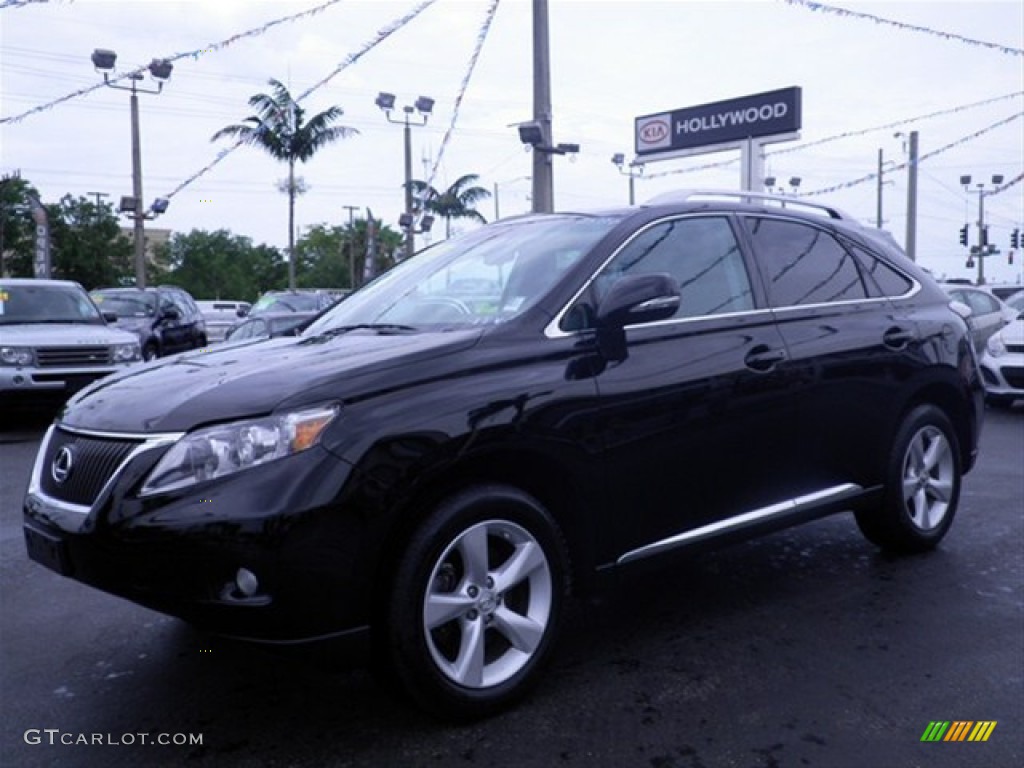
(54, 341)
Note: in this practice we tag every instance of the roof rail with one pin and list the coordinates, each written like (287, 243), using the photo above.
(689, 195)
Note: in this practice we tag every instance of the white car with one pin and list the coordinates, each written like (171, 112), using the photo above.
(988, 313)
(54, 341)
(221, 316)
(1002, 365)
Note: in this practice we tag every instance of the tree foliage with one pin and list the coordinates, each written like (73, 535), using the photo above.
(281, 129)
(17, 232)
(87, 244)
(86, 241)
(459, 201)
(328, 255)
(220, 265)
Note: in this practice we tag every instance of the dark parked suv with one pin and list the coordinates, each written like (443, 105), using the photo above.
(165, 318)
(427, 473)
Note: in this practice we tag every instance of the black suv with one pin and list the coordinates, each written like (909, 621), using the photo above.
(165, 318)
(428, 471)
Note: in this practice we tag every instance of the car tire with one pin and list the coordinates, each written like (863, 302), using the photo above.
(922, 486)
(476, 603)
(150, 352)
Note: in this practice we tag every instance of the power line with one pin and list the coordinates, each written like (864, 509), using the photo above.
(255, 31)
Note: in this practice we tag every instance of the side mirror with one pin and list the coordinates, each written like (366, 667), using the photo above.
(242, 311)
(171, 313)
(639, 299)
(633, 299)
(110, 317)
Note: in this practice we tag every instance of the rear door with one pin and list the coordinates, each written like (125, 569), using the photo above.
(847, 346)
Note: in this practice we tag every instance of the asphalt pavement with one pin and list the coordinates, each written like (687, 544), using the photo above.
(804, 648)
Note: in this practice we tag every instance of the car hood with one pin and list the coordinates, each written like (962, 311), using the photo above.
(250, 379)
(63, 334)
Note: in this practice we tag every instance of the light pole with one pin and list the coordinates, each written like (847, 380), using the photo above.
(983, 248)
(424, 106)
(160, 70)
(619, 160)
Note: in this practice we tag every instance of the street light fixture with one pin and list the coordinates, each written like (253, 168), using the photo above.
(160, 70)
(984, 247)
(424, 107)
(619, 160)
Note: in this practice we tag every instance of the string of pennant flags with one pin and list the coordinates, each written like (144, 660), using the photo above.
(194, 54)
(921, 159)
(823, 8)
(19, 3)
(382, 34)
(480, 38)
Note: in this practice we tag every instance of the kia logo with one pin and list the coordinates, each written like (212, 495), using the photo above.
(62, 463)
(654, 131)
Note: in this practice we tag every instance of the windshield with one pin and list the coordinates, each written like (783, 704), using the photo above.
(485, 277)
(126, 304)
(46, 303)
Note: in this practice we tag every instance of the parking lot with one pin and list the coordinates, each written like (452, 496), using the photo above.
(805, 648)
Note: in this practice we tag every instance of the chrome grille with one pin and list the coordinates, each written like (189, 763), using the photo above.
(61, 357)
(93, 461)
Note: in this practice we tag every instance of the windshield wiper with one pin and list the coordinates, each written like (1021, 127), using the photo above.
(385, 328)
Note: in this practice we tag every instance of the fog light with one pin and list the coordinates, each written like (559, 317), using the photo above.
(246, 582)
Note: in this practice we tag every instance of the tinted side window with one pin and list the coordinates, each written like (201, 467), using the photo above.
(804, 264)
(882, 280)
(700, 253)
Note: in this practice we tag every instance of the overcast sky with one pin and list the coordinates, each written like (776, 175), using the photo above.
(611, 61)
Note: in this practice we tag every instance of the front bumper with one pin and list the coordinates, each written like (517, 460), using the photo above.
(1003, 375)
(50, 381)
(181, 553)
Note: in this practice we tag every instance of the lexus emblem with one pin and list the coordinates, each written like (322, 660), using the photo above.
(62, 463)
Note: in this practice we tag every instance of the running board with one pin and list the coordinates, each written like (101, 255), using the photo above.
(776, 511)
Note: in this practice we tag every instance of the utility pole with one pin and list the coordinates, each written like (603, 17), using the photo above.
(982, 235)
(543, 177)
(99, 197)
(911, 246)
(878, 213)
(351, 249)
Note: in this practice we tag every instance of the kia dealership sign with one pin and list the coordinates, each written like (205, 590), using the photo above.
(763, 114)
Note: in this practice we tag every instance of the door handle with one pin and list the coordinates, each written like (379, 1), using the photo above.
(897, 338)
(763, 358)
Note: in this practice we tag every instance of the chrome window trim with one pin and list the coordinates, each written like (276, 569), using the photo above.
(779, 509)
(552, 331)
(148, 443)
(840, 238)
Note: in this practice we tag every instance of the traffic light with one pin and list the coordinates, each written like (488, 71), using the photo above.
(963, 235)
(1015, 238)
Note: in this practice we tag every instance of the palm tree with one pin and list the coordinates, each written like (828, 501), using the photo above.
(456, 202)
(280, 128)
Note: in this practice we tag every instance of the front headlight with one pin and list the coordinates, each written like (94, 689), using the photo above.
(996, 346)
(16, 356)
(126, 353)
(228, 448)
